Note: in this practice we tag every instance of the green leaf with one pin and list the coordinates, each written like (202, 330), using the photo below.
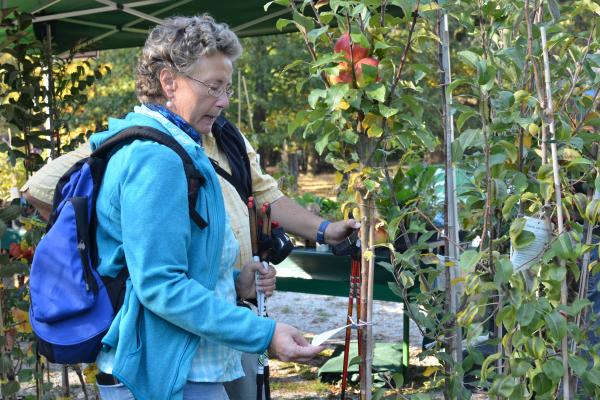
(456, 83)
(545, 172)
(301, 21)
(553, 369)
(541, 383)
(519, 368)
(335, 94)
(322, 143)
(315, 95)
(291, 65)
(376, 91)
(504, 270)
(536, 347)
(504, 386)
(592, 211)
(593, 375)
(13, 269)
(486, 364)
(524, 239)
(470, 57)
(471, 138)
(464, 117)
(579, 162)
(516, 228)
(557, 326)
(469, 260)
(10, 388)
(525, 314)
(314, 34)
(554, 10)
(509, 203)
(386, 111)
(10, 213)
(563, 246)
(578, 364)
(593, 7)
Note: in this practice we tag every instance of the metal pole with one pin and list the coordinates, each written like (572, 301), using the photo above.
(452, 239)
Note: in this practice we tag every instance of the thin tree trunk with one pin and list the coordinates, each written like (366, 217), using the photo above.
(559, 210)
(365, 215)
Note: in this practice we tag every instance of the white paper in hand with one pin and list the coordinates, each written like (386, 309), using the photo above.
(323, 337)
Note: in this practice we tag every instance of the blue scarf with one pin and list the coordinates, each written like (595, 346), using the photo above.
(177, 120)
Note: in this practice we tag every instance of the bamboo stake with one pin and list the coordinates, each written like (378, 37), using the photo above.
(558, 194)
(451, 217)
(250, 122)
(369, 320)
(365, 216)
(239, 82)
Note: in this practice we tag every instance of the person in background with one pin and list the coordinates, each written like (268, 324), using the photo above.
(184, 80)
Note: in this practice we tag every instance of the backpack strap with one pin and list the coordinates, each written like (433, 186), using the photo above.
(229, 178)
(231, 142)
(194, 178)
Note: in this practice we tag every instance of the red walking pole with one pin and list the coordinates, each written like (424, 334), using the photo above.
(354, 292)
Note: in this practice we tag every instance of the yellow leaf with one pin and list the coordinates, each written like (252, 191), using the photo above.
(368, 255)
(369, 120)
(351, 167)
(21, 319)
(339, 177)
(430, 371)
(343, 105)
(90, 373)
(527, 141)
(457, 280)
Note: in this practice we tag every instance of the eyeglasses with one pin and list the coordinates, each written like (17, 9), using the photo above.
(212, 90)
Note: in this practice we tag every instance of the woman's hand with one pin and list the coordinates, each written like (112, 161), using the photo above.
(246, 286)
(288, 344)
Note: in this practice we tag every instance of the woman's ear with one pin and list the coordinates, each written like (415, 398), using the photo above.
(168, 83)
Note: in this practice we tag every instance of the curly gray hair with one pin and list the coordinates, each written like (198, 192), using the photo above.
(177, 44)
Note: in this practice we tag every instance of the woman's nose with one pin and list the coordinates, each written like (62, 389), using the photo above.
(223, 101)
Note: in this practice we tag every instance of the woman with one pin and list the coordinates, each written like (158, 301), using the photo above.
(179, 332)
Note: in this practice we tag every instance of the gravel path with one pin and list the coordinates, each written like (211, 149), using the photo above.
(314, 314)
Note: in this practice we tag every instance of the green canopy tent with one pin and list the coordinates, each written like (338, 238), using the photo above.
(109, 24)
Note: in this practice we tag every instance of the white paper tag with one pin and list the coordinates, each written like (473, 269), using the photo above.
(526, 256)
(323, 337)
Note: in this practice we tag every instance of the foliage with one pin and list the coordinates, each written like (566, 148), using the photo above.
(37, 119)
(27, 98)
(500, 119)
(114, 95)
(17, 359)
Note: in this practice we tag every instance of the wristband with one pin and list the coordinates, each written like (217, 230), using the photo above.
(321, 231)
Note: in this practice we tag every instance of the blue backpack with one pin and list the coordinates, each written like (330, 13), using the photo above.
(72, 306)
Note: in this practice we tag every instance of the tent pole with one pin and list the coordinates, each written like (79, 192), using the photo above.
(54, 144)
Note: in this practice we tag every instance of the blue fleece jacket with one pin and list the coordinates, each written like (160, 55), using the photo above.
(143, 222)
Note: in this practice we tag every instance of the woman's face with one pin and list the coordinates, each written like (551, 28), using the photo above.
(191, 99)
